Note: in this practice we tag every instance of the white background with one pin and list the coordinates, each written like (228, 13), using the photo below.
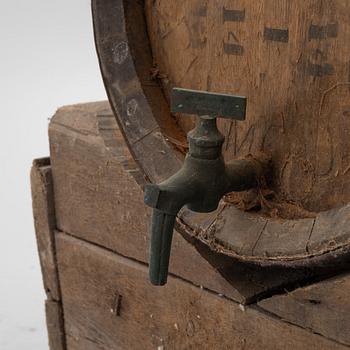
(47, 59)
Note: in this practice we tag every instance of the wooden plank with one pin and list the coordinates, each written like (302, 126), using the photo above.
(107, 300)
(286, 242)
(45, 224)
(239, 230)
(331, 230)
(94, 196)
(324, 308)
(55, 326)
(281, 238)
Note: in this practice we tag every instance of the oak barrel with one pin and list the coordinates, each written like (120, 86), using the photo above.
(292, 61)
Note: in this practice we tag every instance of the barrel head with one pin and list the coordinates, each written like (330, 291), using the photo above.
(208, 103)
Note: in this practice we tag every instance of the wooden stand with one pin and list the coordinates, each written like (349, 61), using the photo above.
(92, 233)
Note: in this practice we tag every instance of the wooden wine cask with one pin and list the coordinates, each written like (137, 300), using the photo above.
(292, 61)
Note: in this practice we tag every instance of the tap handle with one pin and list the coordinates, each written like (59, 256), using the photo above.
(161, 237)
(208, 103)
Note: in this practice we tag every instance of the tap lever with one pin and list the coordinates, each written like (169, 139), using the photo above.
(208, 103)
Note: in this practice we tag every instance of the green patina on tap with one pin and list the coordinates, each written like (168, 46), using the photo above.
(204, 177)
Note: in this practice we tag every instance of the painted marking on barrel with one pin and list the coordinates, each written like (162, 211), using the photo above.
(319, 70)
(330, 30)
(197, 27)
(233, 49)
(319, 54)
(233, 15)
(275, 34)
(231, 35)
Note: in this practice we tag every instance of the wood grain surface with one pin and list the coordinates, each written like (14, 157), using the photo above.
(291, 60)
(323, 307)
(45, 223)
(55, 325)
(109, 304)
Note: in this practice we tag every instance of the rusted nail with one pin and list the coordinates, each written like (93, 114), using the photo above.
(117, 304)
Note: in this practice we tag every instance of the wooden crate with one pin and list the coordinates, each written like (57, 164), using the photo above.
(92, 234)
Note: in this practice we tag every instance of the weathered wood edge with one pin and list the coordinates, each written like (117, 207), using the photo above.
(126, 62)
(322, 307)
(137, 100)
(55, 325)
(324, 250)
(45, 224)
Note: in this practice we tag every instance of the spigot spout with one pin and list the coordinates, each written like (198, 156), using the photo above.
(161, 237)
(166, 199)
